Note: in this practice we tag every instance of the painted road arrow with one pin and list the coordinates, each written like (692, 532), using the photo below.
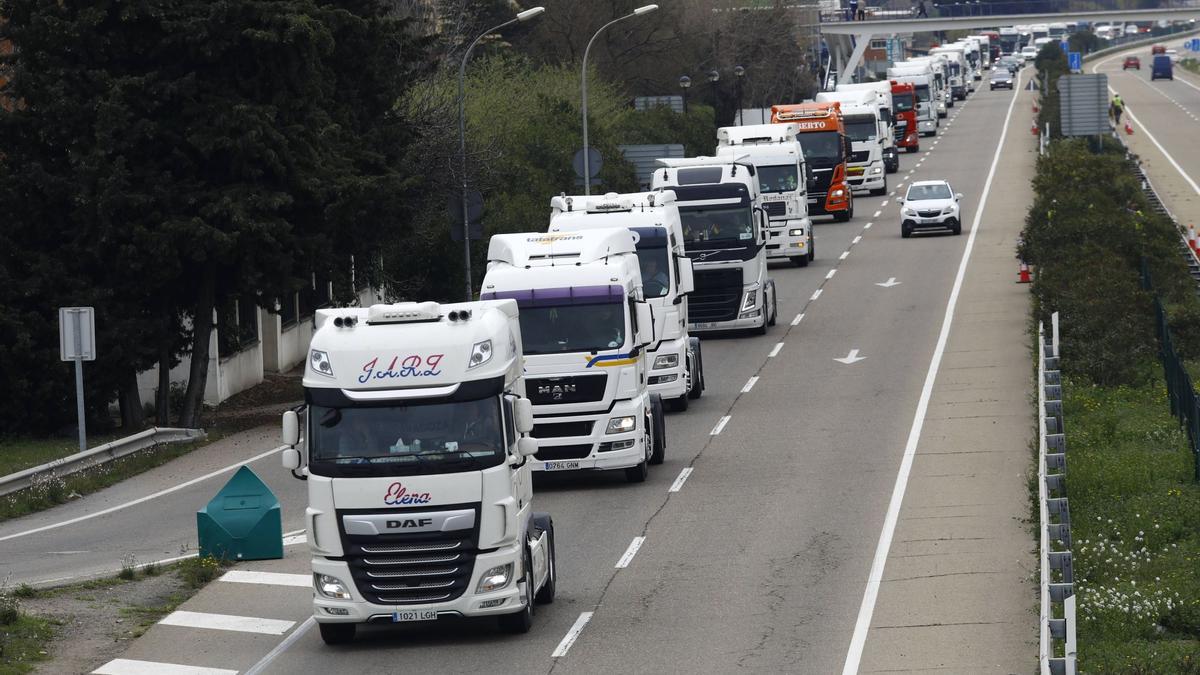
(850, 358)
(889, 283)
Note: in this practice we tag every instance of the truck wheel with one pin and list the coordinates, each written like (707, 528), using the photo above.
(639, 473)
(698, 382)
(337, 633)
(914, 148)
(799, 260)
(522, 621)
(545, 594)
(774, 309)
(882, 190)
(659, 453)
(679, 404)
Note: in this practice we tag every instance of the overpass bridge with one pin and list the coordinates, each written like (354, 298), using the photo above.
(858, 34)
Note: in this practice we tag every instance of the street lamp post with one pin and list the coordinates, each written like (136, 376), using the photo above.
(714, 76)
(587, 154)
(684, 83)
(740, 72)
(462, 137)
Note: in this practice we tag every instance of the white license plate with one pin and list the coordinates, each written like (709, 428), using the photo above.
(812, 201)
(560, 466)
(414, 615)
(703, 326)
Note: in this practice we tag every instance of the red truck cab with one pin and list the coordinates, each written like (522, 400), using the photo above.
(904, 112)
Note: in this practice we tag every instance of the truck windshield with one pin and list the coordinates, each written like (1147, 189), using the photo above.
(861, 127)
(822, 149)
(718, 223)
(555, 329)
(902, 102)
(782, 178)
(922, 91)
(406, 439)
(654, 263)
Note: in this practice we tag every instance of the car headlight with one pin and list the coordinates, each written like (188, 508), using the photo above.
(495, 579)
(909, 212)
(796, 233)
(481, 353)
(749, 299)
(320, 362)
(620, 425)
(838, 192)
(948, 210)
(666, 361)
(330, 587)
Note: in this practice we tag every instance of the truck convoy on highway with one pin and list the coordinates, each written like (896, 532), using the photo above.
(883, 101)
(956, 68)
(418, 468)
(822, 134)
(920, 76)
(865, 171)
(778, 161)
(676, 363)
(586, 326)
(725, 234)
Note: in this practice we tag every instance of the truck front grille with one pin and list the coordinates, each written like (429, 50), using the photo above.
(860, 156)
(775, 209)
(550, 453)
(717, 295)
(563, 429)
(566, 389)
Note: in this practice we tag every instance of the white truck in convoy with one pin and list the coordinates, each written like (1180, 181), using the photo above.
(883, 100)
(955, 55)
(418, 468)
(939, 64)
(920, 76)
(778, 161)
(865, 171)
(586, 326)
(676, 362)
(725, 235)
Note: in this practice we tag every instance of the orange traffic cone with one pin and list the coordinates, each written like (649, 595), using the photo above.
(1035, 108)
(1023, 274)
(1191, 237)
(1033, 128)
(1128, 128)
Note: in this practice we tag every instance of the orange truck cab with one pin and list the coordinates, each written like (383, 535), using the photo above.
(1158, 49)
(822, 135)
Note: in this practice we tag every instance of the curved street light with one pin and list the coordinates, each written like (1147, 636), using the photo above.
(587, 154)
(462, 134)
(684, 83)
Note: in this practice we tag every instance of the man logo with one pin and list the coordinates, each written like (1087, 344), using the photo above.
(556, 391)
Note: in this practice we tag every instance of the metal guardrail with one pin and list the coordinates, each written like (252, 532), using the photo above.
(1125, 42)
(97, 455)
(1056, 634)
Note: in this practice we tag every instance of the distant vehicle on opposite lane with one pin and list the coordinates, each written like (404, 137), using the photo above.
(1174, 54)
(1132, 62)
(930, 205)
(1001, 78)
(1162, 68)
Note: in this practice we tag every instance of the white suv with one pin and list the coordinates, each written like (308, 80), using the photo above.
(930, 205)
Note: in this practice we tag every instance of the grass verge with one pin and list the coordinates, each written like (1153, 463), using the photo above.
(1136, 530)
(18, 454)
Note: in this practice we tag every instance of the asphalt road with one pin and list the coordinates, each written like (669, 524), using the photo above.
(758, 561)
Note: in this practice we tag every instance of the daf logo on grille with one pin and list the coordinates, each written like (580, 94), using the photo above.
(409, 522)
(556, 391)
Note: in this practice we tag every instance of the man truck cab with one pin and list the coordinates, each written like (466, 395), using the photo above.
(418, 468)
(586, 327)
(822, 135)
(725, 234)
(676, 365)
(778, 161)
(887, 118)
(865, 171)
(939, 65)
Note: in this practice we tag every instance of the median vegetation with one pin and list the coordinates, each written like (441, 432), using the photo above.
(1134, 504)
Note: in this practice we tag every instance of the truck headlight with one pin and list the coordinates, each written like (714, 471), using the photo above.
(876, 170)
(481, 353)
(665, 361)
(749, 299)
(620, 425)
(320, 362)
(798, 232)
(495, 579)
(330, 587)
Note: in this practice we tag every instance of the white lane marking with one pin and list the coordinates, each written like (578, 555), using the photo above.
(683, 476)
(857, 238)
(867, 609)
(779, 345)
(844, 255)
(140, 500)
(749, 384)
(135, 667)
(282, 647)
(572, 635)
(630, 552)
(877, 214)
(795, 322)
(851, 358)
(892, 193)
(720, 426)
(868, 226)
(239, 624)
(889, 283)
(268, 578)
(885, 203)
(830, 273)
(816, 294)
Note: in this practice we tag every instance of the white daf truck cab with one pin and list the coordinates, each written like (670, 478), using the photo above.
(778, 160)
(676, 361)
(586, 326)
(920, 75)
(725, 235)
(883, 100)
(865, 171)
(957, 66)
(417, 461)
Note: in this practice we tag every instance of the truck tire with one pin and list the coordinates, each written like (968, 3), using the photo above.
(774, 317)
(799, 260)
(545, 594)
(659, 453)
(698, 386)
(679, 404)
(520, 622)
(882, 190)
(337, 633)
(639, 473)
(914, 148)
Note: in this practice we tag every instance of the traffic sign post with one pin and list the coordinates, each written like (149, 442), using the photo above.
(77, 342)
(1075, 61)
(1194, 45)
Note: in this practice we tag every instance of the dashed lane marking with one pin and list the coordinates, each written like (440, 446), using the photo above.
(229, 622)
(856, 239)
(830, 273)
(779, 345)
(844, 255)
(885, 202)
(816, 294)
(630, 552)
(571, 636)
(796, 322)
(680, 480)
(868, 226)
(750, 384)
(877, 214)
(135, 667)
(720, 426)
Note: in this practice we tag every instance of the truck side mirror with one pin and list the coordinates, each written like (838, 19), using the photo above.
(290, 459)
(687, 276)
(645, 322)
(523, 415)
(291, 428)
(527, 446)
